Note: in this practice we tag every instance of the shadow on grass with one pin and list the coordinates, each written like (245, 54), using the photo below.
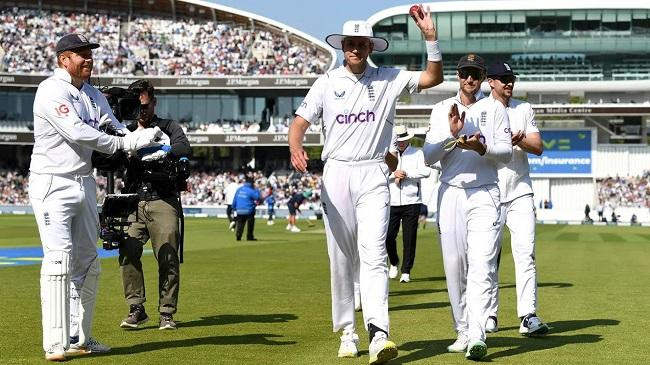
(249, 339)
(540, 285)
(415, 292)
(224, 319)
(429, 305)
(430, 278)
(419, 350)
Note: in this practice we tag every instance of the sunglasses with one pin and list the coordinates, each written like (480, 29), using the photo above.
(476, 74)
(506, 79)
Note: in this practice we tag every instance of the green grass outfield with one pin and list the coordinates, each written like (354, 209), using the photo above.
(268, 302)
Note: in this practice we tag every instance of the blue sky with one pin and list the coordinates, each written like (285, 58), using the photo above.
(314, 17)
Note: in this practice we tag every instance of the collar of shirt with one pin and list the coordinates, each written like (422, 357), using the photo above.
(478, 95)
(62, 74)
(343, 72)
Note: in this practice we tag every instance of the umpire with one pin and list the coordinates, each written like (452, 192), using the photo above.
(157, 178)
(246, 199)
(405, 202)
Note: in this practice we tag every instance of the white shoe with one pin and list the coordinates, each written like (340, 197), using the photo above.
(231, 226)
(405, 278)
(270, 223)
(476, 350)
(289, 226)
(392, 272)
(55, 353)
(491, 325)
(460, 345)
(357, 301)
(532, 325)
(381, 350)
(295, 229)
(349, 345)
(91, 346)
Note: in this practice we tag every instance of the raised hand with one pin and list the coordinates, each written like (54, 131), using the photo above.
(456, 120)
(424, 21)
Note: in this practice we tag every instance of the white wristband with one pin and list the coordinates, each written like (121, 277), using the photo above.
(433, 51)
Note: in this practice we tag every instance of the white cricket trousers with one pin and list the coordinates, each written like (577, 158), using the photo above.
(519, 216)
(356, 207)
(468, 221)
(65, 208)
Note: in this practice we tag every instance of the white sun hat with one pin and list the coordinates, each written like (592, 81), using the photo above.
(357, 28)
(402, 133)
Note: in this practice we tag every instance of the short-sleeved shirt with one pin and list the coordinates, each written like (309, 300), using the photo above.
(465, 168)
(514, 177)
(357, 112)
(66, 123)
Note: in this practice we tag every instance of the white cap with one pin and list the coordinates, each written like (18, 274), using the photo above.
(357, 28)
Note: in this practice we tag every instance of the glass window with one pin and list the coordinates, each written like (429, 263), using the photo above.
(184, 113)
(624, 16)
(443, 24)
(199, 113)
(474, 18)
(609, 17)
(593, 15)
(518, 17)
(458, 25)
(640, 14)
(503, 18)
(579, 15)
(399, 19)
(488, 17)
(285, 106)
(213, 108)
(4, 106)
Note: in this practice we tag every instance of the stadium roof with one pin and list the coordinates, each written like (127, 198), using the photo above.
(512, 5)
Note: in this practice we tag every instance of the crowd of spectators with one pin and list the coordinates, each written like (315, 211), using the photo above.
(629, 191)
(13, 188)
(153, 46)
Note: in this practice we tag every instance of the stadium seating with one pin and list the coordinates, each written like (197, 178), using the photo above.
(154, 46)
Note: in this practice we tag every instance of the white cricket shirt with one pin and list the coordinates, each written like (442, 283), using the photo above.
(514, 177)
(357, 112)
(409, 191)
(66, 122)
(464, 168)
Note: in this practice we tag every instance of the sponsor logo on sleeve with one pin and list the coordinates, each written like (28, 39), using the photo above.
(371, 93)
(483, 121)
(62, 110)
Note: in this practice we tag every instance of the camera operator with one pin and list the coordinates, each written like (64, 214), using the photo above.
(157, 178)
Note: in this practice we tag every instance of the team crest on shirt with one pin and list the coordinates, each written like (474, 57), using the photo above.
(371, 93)
(339, 95)
(483, 121)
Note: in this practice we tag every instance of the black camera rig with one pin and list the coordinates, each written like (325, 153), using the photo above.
(113, 218)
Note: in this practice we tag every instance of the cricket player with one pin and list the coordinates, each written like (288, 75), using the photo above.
(67, 114)
(469, 134)
(517, 206)
(357, 103)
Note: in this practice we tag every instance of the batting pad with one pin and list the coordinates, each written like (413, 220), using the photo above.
(55, 306)
(88, 298)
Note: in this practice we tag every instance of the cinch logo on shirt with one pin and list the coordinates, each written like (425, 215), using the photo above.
(354, 118)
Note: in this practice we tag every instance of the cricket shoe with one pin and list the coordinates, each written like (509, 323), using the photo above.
(460, 345)
(295, 229)
(92, 346)
(137, 316)
(531, 325)
(349, 344)
(476, 350)
(270, 223)
(166, 322)
(55, 353)
(406, 278)
(491, 325)
(392, 272)
(289, 226)
(232, 226)
(381, 350)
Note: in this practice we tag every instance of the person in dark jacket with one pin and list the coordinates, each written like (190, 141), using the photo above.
(246, 199)
(154, 177)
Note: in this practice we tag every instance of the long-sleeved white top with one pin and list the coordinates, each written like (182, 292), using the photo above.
(409, 190)
(66, 122)
(464, 168)
(357, 112)
(514, 176)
